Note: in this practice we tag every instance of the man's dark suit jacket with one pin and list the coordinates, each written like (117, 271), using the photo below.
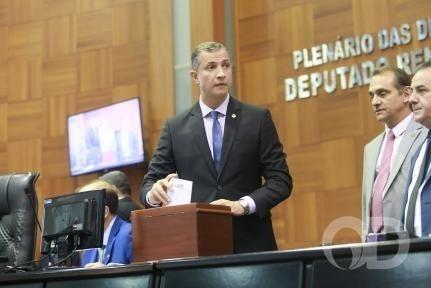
(125, 207)
(251, 150)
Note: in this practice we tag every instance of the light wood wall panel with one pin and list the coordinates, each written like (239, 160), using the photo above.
(4, 79)
(57, 8)
(324, 135)
(25, 155)
(25, 11)
(130, 63)
(94, 30)
(5, 17)
(3, 122)
(3, 157)
(324, 14)
(130, 23)
(60, 57)
(60, 75)
(60, 36)
(26, 40)
(95, 69)
(288, 22)
(201, 21)
(266, 84)
(3, 44)
(25, 81)
(160, 85)
(24, 120)
(87, 6)
(56, 109)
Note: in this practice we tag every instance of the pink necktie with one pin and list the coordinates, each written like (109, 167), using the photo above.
(379, 185)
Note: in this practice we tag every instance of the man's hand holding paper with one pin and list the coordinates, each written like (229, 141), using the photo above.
(180, 192)
(158, 194)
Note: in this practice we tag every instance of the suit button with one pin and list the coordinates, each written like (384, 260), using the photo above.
(219, 187)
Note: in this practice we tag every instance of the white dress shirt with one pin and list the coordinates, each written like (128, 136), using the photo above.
(208, 122)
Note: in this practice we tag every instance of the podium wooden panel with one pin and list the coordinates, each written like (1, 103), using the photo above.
(188, 230)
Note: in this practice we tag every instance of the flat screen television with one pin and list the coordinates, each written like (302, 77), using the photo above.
(105, 138)
(76, 218)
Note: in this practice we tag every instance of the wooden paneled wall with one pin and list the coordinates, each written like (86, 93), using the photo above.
(60, 57)
(323, 136)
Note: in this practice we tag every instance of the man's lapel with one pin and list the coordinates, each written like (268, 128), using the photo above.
(233, 117)
(373, 154)
(200, 137)
(114, 231)
(406, 143)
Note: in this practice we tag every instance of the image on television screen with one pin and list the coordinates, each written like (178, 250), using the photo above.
(105, 138)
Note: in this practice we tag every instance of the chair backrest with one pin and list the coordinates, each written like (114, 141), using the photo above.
(18, 206)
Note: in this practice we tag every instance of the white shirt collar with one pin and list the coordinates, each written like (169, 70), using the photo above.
(221, 109)
(401, 127)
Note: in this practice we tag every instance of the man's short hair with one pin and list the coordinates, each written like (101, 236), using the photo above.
(119, 180)
(424, 65)
(204, 47)
(111, 197)
(402, 79)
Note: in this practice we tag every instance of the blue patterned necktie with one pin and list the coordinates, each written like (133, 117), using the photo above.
(217, 140)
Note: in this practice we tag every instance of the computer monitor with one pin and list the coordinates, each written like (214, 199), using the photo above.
(105, 138)
(74, 222)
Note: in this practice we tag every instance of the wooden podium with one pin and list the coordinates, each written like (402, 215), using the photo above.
(188, 230)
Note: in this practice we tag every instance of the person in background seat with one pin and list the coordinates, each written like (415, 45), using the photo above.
(117, 238)
(125, 203)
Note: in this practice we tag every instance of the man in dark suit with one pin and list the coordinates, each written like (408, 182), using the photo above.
(418, 205)
(225, 147)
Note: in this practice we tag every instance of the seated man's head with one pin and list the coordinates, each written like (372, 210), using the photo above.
(119, 180)
(111, 198)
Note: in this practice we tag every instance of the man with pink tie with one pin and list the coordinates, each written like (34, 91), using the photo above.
(387, 157)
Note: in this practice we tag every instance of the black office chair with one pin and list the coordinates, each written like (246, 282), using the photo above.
(18, 206)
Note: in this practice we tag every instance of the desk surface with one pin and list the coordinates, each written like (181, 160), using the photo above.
(309, 267)
(75, 273)
(307, 254)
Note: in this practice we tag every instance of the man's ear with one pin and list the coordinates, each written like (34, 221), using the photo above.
(407, 91)
(106, 211)
(194, 76)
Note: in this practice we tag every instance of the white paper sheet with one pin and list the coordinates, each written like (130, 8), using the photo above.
(180, 192)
